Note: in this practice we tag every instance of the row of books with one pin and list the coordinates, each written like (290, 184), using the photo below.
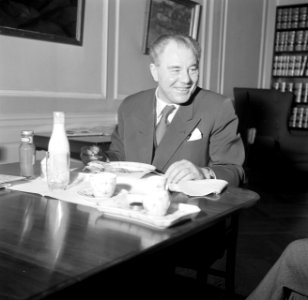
(299, 89)
(291, 41)
(290, 65)
(299, 118)
(292, 17)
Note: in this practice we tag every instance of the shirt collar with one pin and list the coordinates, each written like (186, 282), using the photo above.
(160, 105)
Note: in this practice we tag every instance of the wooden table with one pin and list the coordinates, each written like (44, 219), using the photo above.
(50, 248)
(41, 141)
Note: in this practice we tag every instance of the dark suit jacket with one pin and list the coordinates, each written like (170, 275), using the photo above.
(220, 147)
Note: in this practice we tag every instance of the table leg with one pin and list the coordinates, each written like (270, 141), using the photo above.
(231, 254)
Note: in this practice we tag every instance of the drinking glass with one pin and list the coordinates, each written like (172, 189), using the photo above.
(57, 170)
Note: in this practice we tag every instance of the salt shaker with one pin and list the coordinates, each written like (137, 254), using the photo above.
(27, 154)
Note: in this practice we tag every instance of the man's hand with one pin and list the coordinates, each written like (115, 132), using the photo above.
(183, 170)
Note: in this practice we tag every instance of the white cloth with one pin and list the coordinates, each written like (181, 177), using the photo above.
(197, 188)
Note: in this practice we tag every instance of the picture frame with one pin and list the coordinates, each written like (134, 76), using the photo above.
(55, 21)
(170, 16)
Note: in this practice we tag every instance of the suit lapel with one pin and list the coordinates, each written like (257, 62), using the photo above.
(178, 131)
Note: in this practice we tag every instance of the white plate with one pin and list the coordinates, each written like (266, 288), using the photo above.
(121, 168)
(129, 166)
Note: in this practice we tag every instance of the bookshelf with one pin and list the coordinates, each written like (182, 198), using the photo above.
(290, 60)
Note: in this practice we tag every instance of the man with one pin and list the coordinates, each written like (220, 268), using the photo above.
(288, 278)
(201, 140)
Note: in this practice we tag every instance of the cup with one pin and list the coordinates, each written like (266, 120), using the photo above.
(157, 202)
(103, 184)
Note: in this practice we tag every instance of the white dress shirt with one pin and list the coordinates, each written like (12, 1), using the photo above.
(160, 105)
(208, 173)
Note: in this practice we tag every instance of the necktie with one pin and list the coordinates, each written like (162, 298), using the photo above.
(163, 123)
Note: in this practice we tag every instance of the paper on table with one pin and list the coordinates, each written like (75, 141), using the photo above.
(39, 186)
(81, 183)
(4, 178)
(199, 188)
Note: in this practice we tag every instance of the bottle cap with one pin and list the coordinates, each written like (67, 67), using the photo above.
(27, 132)
(27, 136)
(58, 117)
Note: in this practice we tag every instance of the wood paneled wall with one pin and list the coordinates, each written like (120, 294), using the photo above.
(89, 82)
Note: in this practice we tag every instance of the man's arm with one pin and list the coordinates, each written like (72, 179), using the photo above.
(116, 150)
(227, 152)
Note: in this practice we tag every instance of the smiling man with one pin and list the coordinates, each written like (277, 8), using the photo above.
(196, 138)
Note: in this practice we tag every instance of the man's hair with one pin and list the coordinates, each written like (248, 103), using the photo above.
(158, 46)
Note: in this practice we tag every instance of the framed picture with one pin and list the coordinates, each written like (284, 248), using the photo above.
(170, 16)
(51, 20)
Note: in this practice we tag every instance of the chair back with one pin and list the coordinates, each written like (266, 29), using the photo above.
(267, 111)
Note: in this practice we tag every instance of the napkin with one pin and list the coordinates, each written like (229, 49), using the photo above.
(197, 188)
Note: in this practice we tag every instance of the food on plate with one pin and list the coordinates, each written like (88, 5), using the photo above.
(95, 166)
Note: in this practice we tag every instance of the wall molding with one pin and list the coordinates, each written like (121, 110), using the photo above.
(46, 94)
(222, 46)
(263, 46)
(116, 52)
(41, 120)
(206, 40)
(268, 41)
(114, 88)
(104, 67)
(100, 95)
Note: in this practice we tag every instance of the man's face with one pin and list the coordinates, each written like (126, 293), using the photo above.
(177, 73)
